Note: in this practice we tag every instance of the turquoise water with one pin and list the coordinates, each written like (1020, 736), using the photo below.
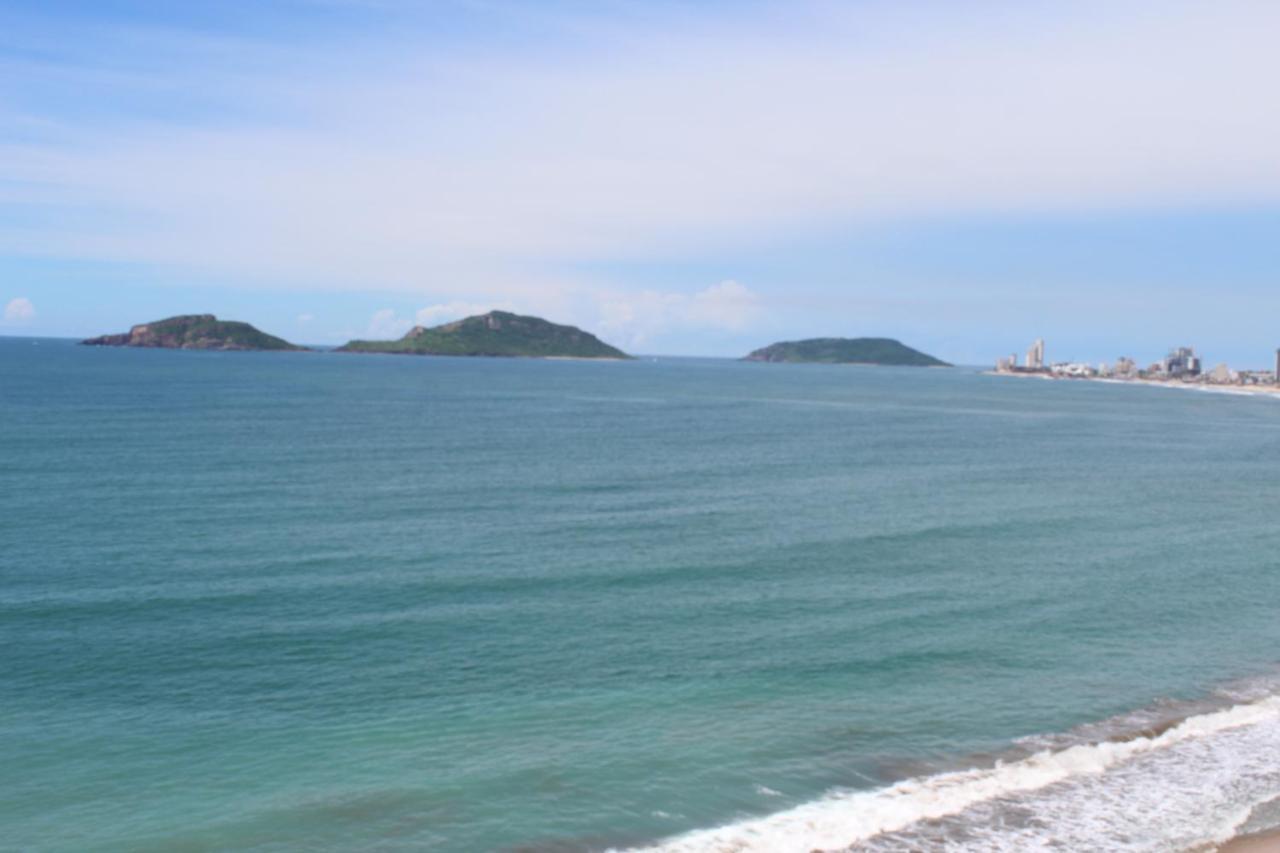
(287, 601)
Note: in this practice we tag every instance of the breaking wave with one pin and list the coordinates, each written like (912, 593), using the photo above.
(1146, 781)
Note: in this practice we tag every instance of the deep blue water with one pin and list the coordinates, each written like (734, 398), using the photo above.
(279, 601)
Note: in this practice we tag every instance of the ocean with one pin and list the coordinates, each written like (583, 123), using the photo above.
(324, 602)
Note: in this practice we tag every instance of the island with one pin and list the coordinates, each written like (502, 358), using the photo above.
(886, 351)
(499, 334)
(194, 331)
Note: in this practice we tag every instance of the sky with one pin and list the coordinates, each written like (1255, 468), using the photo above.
(688, 178)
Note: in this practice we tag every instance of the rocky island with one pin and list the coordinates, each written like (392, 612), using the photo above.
(498, 333)
(194, 331)
(885, 351)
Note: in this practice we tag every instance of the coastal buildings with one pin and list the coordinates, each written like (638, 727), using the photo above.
(1033, 361)
(1181, 365)
(1181, 361)
(1035, 355)
(1074, 370)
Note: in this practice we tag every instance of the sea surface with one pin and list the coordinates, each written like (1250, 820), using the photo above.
(313, 601)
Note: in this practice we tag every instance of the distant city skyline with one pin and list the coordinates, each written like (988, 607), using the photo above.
(677, 178)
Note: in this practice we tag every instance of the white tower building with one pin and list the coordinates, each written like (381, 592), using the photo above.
(1035, 355)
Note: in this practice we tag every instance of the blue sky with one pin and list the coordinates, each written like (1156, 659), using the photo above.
(685, 178)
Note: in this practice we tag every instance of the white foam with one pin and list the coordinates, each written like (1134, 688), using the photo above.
(1083, 793)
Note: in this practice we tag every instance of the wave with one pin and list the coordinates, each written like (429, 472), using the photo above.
(1149, 783)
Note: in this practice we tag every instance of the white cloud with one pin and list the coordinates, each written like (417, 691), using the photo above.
(19, 310)
(306, 319)
(433, 315)
(727, 305)
(470, 170)
(636, 318)
(385, 324)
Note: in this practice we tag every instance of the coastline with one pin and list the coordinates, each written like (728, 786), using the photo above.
(1233, 390)
(1083, 785)
(1254, 842)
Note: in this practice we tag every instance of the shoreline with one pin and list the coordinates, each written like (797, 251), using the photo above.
(1267, 841)
(1057, 775)
(1230, 390)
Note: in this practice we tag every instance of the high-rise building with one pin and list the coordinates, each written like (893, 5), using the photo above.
(1182, 361)
(1035, 355)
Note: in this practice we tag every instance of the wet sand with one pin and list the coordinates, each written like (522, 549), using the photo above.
(1262, 842)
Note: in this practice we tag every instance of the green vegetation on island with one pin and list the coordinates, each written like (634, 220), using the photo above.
(498, 333)
(885, 351)
(194, 331)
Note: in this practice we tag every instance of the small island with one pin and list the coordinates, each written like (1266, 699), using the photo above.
(195, 331)
(497, 334)
(885, 351)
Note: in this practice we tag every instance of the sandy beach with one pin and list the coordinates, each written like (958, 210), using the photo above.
(1245, 390)
(1261, 842)
(1237, 390)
